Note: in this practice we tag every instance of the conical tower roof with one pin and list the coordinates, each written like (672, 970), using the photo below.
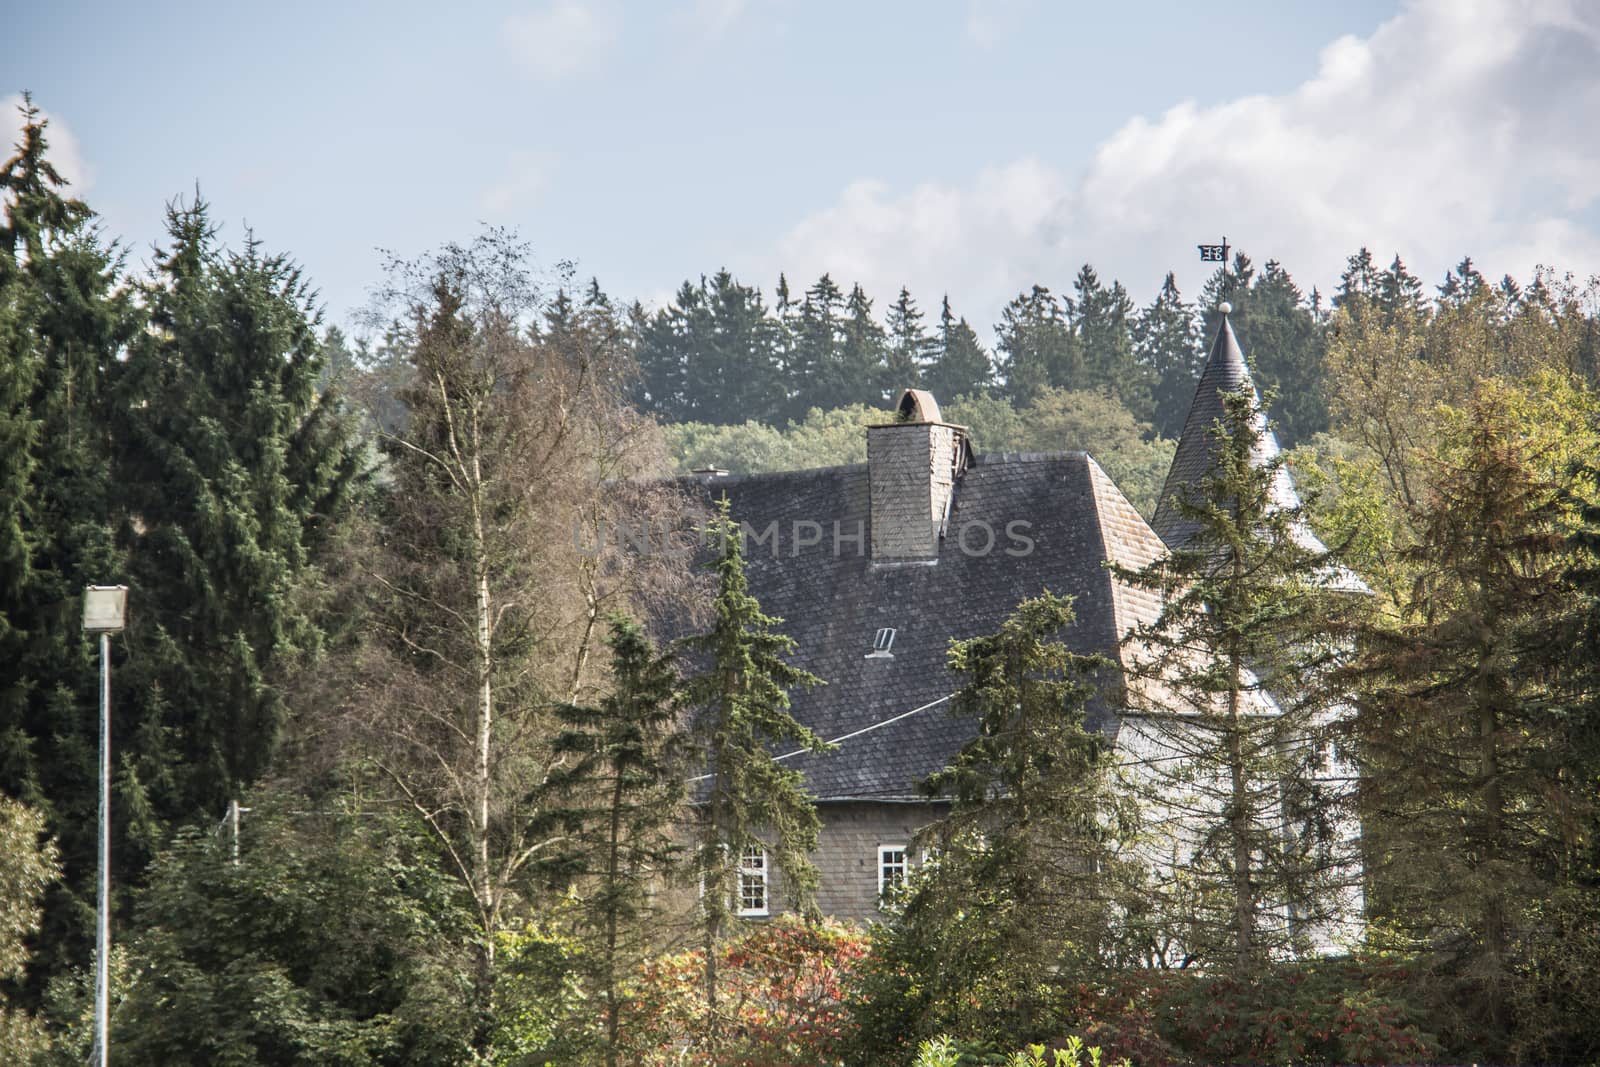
(1225, 372)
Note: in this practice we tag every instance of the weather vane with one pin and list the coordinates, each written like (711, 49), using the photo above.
(1219, 254)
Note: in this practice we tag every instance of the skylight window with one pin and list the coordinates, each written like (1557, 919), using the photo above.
(882, 643)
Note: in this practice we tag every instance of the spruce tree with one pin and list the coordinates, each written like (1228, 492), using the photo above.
(962, 368)
(1032, 862)
(816, 370)
(232, 471)
(1166, 342)
(1474, 764)
(747, 799)
(1231, 713)
(625, 790)
(910, 350)
(735, 377)
(864, 353)
(1036, 346)
(1102, 322)
(65, 315)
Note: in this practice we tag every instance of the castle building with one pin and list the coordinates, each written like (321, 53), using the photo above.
(876, 568)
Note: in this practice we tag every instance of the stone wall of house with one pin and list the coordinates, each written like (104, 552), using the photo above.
(847, 854)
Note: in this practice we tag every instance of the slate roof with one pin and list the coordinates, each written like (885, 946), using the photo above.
(833, 604)
(1225, 371)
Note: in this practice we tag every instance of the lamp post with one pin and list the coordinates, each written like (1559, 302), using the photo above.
(105, 609)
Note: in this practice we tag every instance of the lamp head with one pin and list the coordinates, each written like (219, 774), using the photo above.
(105, 608)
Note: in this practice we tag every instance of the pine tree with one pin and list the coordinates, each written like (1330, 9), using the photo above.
(233, 470)
(1036, 346)
(1031, 865)
(1230, 710)
(1166, 342)
(911, 351)
(816, 370)
(736, 377)
(1461, 284)
(65, 314)
(626, 789)
(864, 354)
(1102, 322)
(1360, 279)
(740, 701)
(962, 367)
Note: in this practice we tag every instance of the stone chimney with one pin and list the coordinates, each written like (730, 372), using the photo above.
(912, 466)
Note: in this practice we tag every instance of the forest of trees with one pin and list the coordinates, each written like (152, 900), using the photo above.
(487, 818)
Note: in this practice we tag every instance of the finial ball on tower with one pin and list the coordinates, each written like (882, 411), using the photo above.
(1225, 307)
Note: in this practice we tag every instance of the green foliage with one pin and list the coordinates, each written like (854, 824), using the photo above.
(1475, 764)
(740, 703)
(231, 471)
(1231, 704)
(334, 938)
(821, 439)
(626, 797)
(28, 865)
(1166, 344)
(1037, 347)
(1027, 873)
(961, 367)
(785, 983)
(542, 1011)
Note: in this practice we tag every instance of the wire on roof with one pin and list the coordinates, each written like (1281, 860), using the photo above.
(854, 733)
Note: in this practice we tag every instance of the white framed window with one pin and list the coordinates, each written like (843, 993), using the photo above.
(893, 865)
(753, 881)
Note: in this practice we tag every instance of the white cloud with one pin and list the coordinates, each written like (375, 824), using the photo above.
(63, 151)
(1455, 128)
(561, 38)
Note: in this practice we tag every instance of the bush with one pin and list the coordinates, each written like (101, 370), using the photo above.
(781, 984)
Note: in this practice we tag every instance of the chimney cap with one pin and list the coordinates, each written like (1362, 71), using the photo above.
(918, 405)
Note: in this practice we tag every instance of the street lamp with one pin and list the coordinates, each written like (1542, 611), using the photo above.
(105, 609)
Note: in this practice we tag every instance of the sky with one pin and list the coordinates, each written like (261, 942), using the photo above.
(968, 147)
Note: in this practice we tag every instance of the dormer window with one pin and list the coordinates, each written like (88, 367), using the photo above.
(882, 643)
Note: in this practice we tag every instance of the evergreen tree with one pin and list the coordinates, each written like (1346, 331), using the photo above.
(1473, 764)
(1461, 284)
(627, 792)
(1102, 321)
(65, 315)
(232, 472)
(962, 367)
(735, 377)
(1036, 346)
(816, 369)
(1399, 294)
(911, 351)
(1030, 869)
(748, 800)
(1359, 280)
(1166, 342)
(1231, 712)
(667, 347)
(864, 355)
